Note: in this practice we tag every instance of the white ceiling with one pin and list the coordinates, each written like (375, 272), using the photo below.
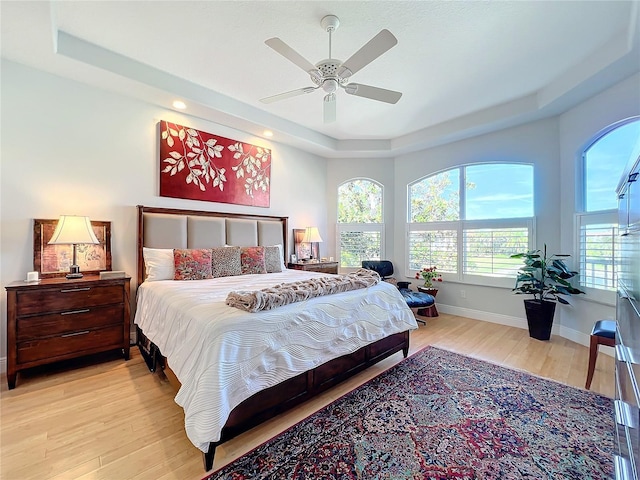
(464, 67)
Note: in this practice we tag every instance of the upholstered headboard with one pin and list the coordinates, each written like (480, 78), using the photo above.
(174, 228)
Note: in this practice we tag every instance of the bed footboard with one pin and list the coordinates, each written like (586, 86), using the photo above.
(279, 398)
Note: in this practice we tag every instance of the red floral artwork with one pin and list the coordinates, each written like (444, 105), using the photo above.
(202, 166)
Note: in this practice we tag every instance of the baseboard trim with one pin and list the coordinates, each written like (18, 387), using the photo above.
(486, 316)
(3, 364)
(564, 332)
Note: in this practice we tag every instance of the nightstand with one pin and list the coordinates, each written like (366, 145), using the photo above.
(322, 267)
(57, 319)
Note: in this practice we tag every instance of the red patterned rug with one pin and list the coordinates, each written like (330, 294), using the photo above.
(440, 415)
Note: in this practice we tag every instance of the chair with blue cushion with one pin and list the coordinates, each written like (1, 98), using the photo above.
(602, 333)
(415, 300)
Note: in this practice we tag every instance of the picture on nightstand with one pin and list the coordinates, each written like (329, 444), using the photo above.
(54, 260)
(302, 249)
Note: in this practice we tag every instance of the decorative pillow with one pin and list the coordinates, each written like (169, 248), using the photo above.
(225, 261)
(192, 264)
(273, 259)
(252, 260)
(158, 263)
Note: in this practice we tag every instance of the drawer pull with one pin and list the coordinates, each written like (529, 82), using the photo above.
(67, 290)
(76, 311)
(622, 468)
(75, 334)
(625, 354)
(624, 414)
(621, 353)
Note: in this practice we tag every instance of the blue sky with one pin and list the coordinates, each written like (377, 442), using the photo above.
(605, 160)
(501, 191)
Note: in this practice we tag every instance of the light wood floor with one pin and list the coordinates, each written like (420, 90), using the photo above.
(114, 420)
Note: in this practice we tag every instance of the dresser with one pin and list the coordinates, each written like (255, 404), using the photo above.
(627, 351)
(58, 319)
(322, 267)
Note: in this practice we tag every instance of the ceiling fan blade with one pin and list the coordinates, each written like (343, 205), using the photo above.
(375, 47)
(329, 110)
(293, 56)
(292, 93)
(374, 93)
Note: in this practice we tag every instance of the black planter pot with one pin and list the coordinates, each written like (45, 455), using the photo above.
(539, 318)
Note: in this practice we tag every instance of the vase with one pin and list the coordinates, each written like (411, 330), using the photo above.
(427, 284)
(539, 318)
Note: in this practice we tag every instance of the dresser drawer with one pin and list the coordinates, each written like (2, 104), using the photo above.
(71, 344)
(66, 298)
(30, 328)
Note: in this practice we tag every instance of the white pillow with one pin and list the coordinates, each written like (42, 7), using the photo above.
(284, 266)
(158, 263)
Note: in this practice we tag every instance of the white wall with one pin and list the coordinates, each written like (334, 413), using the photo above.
(72, 149)
(578, 127)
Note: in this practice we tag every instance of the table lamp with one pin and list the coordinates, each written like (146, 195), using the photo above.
(72, 230)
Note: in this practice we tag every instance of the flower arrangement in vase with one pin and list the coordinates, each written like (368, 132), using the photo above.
(429, 275)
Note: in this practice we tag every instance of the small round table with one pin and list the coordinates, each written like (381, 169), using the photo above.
(431, 311)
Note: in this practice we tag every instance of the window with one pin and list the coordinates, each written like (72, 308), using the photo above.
(597, 224)
(469, 220)
(360, 225)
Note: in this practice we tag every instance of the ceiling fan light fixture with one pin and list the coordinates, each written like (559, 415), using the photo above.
(330, 85)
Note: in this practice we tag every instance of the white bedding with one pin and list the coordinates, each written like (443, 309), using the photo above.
(223, 355)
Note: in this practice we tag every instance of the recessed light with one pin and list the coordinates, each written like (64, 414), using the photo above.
(179, 104)
(268, 133)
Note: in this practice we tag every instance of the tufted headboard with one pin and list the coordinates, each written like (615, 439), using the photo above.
(174, 228)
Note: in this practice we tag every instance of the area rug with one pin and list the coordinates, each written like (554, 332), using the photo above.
(441, 415)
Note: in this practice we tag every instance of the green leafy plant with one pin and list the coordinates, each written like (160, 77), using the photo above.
(545, 277)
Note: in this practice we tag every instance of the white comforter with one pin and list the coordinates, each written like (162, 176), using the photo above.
(223, 355)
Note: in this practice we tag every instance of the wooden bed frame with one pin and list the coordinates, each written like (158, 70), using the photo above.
(279, 398)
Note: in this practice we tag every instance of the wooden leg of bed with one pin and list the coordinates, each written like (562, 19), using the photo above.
(405, 351)
(207, 457)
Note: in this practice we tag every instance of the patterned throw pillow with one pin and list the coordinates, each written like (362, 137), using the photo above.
(252, 260)
(273, 259)
(192, 264)
(225, 261)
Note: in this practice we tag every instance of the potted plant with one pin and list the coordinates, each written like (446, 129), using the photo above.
(546, 278)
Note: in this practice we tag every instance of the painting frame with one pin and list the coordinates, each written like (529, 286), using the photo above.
(46, 256)
(302, 249)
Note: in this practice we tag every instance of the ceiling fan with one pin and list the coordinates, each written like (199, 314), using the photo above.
(331, 74)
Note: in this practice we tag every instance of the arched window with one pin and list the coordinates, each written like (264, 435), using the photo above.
(360, 222)
(603, 162)
(467, 221)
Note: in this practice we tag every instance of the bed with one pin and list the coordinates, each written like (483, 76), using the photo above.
(236, 369)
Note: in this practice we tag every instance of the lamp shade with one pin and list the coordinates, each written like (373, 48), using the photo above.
(311, 235)
(73, 229)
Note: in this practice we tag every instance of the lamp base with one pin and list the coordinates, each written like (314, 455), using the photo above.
(74, 272)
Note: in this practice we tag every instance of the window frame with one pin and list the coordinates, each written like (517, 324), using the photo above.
(598, 295)
(359, 227)
(461, 225)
